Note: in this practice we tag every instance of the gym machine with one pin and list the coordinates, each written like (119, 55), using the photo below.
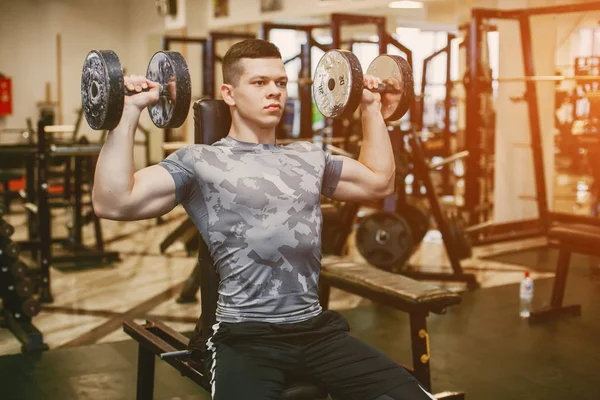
(39, 206)
(477, 82)
(16, 291)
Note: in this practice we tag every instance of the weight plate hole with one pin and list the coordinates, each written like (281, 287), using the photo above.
(331, 84)
(95, 90)
(381, 237)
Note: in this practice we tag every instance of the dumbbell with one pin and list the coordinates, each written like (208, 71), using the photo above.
(338, 84)
(6, 230)
(103, 89)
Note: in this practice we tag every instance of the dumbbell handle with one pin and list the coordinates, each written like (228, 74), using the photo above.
(164, 91)
(384, 88)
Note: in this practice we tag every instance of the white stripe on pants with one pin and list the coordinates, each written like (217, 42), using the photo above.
(211, 347)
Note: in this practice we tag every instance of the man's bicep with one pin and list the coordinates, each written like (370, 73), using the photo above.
(153, 193)
(354, 181)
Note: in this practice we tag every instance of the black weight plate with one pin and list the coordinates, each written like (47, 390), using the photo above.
(18, 270)
(102, 90)
(31, 307)
(6, 229)
(417, 218)
(388, 66)
(384, 239)
(9, 251)
(170, 70)
(338, 84)
(24, 288)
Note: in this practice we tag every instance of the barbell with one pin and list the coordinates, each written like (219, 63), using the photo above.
(534, 78)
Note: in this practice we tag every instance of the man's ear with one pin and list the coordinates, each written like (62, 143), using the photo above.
(227, 94)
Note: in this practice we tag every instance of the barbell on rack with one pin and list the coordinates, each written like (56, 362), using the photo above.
(534, 78)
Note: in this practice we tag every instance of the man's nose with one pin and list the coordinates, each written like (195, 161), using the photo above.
(273, 90)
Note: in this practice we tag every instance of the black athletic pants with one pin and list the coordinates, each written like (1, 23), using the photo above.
(255, 361)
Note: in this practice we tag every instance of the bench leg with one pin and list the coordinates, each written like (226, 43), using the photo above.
(419, 339)
(560, 281)
(145, 379)
(558, 292)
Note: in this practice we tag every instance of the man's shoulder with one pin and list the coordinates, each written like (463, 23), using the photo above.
(216, 146)
(304, 146)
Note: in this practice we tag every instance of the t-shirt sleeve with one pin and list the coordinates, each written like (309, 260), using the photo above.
(180, 165)
(332, 174)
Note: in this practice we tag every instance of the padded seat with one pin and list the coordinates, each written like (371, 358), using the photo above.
(391, 289)
(579, 235)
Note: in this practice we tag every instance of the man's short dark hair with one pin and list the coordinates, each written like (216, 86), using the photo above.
(250, 48)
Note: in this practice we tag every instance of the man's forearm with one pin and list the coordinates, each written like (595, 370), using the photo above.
(115, 169)
(376, 150)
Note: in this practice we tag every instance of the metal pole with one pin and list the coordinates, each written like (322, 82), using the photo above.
(446, 186)
(336, 22)
(382, 36)
(208, 78)
(44, 215)
(473, 133)
(305, 92)
(534, 122)
(78, 208)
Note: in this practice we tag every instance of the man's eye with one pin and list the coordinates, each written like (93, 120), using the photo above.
(259, 83)
(283, 84)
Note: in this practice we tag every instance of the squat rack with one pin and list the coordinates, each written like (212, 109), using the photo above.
(475, 76)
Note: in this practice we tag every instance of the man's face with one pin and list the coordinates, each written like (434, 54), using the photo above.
(261, 92)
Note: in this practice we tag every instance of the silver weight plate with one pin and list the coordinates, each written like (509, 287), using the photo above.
(337, 84)
(170, 70)
(102, 89)
(389, 68)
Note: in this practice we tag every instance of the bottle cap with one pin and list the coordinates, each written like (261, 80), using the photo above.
(526, 274)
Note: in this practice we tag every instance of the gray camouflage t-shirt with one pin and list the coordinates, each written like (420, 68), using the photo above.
(257, 207)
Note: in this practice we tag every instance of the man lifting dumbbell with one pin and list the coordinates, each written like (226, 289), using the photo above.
(256, 205)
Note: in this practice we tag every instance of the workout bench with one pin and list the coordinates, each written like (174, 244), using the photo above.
(413, 297)
(416, 298)
(567, 238)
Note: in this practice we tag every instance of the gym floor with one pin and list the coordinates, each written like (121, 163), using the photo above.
(481, 346)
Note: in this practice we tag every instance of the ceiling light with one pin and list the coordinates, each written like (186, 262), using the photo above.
(405, 4)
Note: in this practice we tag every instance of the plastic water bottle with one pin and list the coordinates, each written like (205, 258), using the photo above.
(526, 296)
